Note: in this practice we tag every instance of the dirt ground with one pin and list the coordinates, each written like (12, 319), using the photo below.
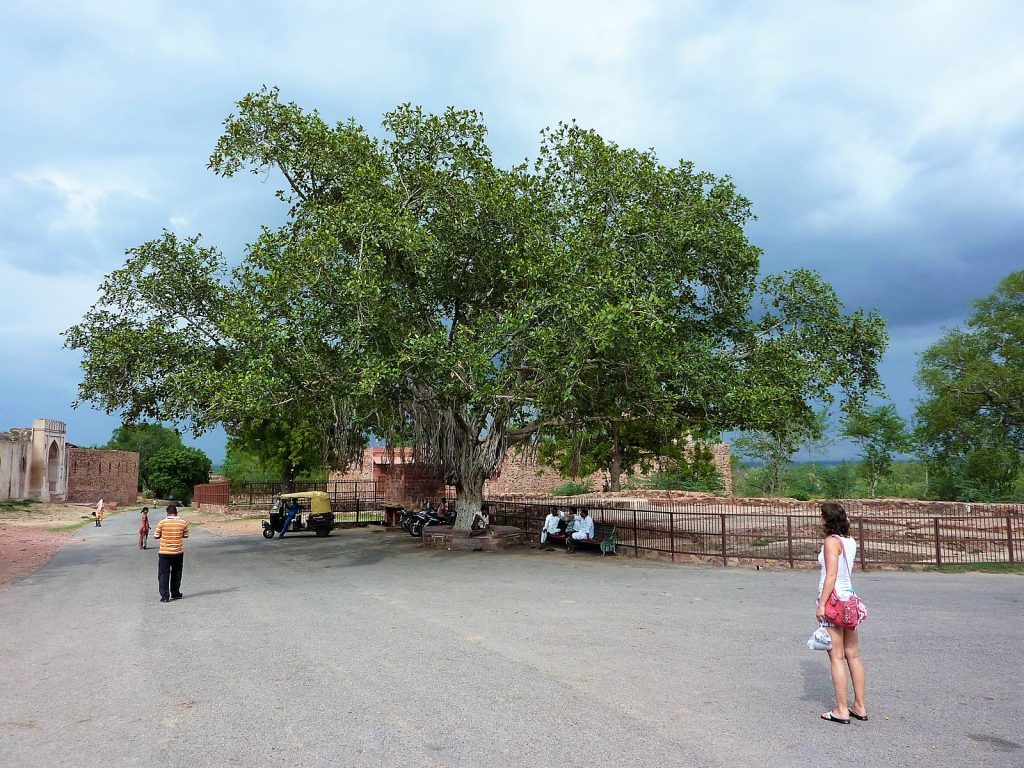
(30, 534)
(242, 525)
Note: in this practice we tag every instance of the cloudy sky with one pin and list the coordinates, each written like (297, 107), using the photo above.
(881, 143)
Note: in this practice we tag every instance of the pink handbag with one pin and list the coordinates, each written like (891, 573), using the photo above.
(845, 613)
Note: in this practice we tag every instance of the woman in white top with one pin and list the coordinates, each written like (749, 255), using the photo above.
(837, 556)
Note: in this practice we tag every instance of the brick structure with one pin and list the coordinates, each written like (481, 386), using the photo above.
(100, 474)
(521, 474)
(399, 481)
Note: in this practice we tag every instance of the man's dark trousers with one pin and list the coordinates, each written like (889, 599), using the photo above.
(169, 571)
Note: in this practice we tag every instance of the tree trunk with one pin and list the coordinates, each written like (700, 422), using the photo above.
(615, 470)
(469, 496)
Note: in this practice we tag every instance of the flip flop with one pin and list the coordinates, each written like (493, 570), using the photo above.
(855, 716)
(833, 719)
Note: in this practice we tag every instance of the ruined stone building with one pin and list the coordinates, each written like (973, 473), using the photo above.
(38, 462)
(33, 461)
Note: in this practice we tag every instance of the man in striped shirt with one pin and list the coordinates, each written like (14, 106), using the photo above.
(172, 532)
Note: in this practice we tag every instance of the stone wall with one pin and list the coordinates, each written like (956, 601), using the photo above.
(15, 454)
(361, 470)
(521, 474)
(100, 474)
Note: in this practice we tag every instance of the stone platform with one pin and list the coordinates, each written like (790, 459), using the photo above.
(494, 538)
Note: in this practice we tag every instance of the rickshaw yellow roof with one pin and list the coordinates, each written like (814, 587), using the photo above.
(305, 495)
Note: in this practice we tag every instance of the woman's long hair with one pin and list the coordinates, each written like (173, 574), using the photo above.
(833, 517)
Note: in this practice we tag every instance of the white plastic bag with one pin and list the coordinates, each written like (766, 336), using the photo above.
(820, 640)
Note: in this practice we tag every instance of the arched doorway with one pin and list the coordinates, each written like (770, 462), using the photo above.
(52, 469)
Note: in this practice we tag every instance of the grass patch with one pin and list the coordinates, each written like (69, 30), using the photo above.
(70, 527)
(16, 505)
(979, 567)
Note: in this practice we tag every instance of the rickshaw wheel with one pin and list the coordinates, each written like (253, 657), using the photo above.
(268, 533)
(323, 531)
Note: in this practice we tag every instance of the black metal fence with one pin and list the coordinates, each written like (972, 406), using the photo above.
(766, 534)
(355, 500)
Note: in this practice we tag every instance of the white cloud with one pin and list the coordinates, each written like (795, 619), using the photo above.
(82, 200)
(880, 142)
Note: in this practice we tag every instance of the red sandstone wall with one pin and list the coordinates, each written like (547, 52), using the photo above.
(107, 475)
(407, 484)
(362, 470)
(520, 475)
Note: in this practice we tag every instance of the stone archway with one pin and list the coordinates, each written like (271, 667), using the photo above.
(53, 470)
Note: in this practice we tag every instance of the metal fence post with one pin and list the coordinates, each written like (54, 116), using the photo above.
(725, 556)
(1009, 538)
(636, 535)
(789, 538)
(672, 534)
(938, 543)
(860, 538)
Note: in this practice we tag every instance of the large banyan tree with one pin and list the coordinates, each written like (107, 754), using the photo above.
(417, 293)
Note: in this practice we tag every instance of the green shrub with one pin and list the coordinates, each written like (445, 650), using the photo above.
(572, 488)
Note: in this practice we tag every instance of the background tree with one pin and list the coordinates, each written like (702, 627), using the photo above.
(146, 440)
(775, 448)
(174, 471)
(970, 422)
(283, 450)
(613, 447)
(420, 294)
(689, 468)
(880, 432)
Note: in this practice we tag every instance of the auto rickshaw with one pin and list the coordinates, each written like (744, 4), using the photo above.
(286, 514)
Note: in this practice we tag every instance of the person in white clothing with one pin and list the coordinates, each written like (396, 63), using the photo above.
(584, 531)
(552, 525)
(837, 556)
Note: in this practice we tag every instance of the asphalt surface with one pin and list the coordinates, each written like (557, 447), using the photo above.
(364, 650)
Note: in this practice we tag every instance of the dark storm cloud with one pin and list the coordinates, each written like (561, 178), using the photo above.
(881, 144)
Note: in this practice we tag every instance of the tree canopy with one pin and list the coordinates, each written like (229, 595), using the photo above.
(174, 472)
(146, 440)
(970, 422)
(420, 294)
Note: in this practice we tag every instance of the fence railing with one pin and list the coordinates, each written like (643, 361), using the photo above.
(351, 500)
(887, 539)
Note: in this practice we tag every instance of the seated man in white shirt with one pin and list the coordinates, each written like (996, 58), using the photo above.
(552, 525)
(584, 531)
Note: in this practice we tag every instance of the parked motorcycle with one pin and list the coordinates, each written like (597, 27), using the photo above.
(428, 517)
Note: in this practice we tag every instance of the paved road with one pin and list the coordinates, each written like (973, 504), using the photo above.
(363, 650)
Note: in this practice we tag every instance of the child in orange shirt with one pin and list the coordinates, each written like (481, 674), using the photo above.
(144, 528)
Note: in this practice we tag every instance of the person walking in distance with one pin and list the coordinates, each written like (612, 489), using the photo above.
(143, 527)
(836, 558)
(172, 532)
(99, 513)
